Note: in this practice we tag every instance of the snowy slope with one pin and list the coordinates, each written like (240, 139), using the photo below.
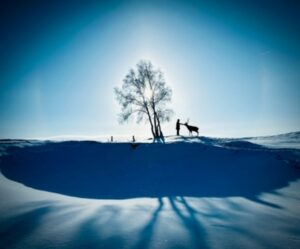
(188, 193)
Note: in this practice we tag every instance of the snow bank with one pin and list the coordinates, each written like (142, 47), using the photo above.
(188, 193)
(120, 170)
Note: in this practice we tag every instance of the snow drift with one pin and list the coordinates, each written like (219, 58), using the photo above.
(188, 193)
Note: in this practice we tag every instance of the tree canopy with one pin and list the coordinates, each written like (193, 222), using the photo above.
(144, 96)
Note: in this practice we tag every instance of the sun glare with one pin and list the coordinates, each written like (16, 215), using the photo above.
(148, 92)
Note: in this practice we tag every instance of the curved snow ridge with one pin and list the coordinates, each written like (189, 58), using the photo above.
(282, 141)
(285, 141)
(288, 140)
(242, 144)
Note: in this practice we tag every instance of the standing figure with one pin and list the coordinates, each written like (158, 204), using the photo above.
(178, 126)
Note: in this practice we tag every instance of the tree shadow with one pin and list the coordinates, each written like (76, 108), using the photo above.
(90, 234)
(187, 217)
(116, 171)
(190, 222)
(100, 228)
(15, 229)
(146, 234)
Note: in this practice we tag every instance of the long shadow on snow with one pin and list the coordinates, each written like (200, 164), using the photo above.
(116, 171)
(16, 229)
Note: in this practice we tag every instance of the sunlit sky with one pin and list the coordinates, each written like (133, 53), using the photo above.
(234, 66)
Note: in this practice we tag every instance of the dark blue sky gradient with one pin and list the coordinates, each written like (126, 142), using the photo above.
(222, 48)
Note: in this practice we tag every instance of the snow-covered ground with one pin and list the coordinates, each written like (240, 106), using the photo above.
(196, 192)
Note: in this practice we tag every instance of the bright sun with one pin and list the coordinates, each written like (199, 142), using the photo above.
(148, 93)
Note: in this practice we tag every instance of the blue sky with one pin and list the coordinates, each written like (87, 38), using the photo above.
(234, 66)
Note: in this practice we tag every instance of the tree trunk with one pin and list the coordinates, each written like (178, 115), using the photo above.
(157, 122)
(150, 120)
(158, 125)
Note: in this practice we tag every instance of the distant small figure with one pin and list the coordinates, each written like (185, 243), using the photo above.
(191, 128)
(111, 138)
(178, 127)
(134, 145)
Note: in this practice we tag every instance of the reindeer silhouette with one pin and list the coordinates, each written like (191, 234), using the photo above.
(191, 128)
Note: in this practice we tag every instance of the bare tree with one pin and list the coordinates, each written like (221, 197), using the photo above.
(144, 95)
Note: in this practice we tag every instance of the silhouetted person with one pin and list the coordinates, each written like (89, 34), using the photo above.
(178, 126)
(133, 139)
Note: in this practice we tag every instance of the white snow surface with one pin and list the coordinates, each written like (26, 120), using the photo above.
(190, 192)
